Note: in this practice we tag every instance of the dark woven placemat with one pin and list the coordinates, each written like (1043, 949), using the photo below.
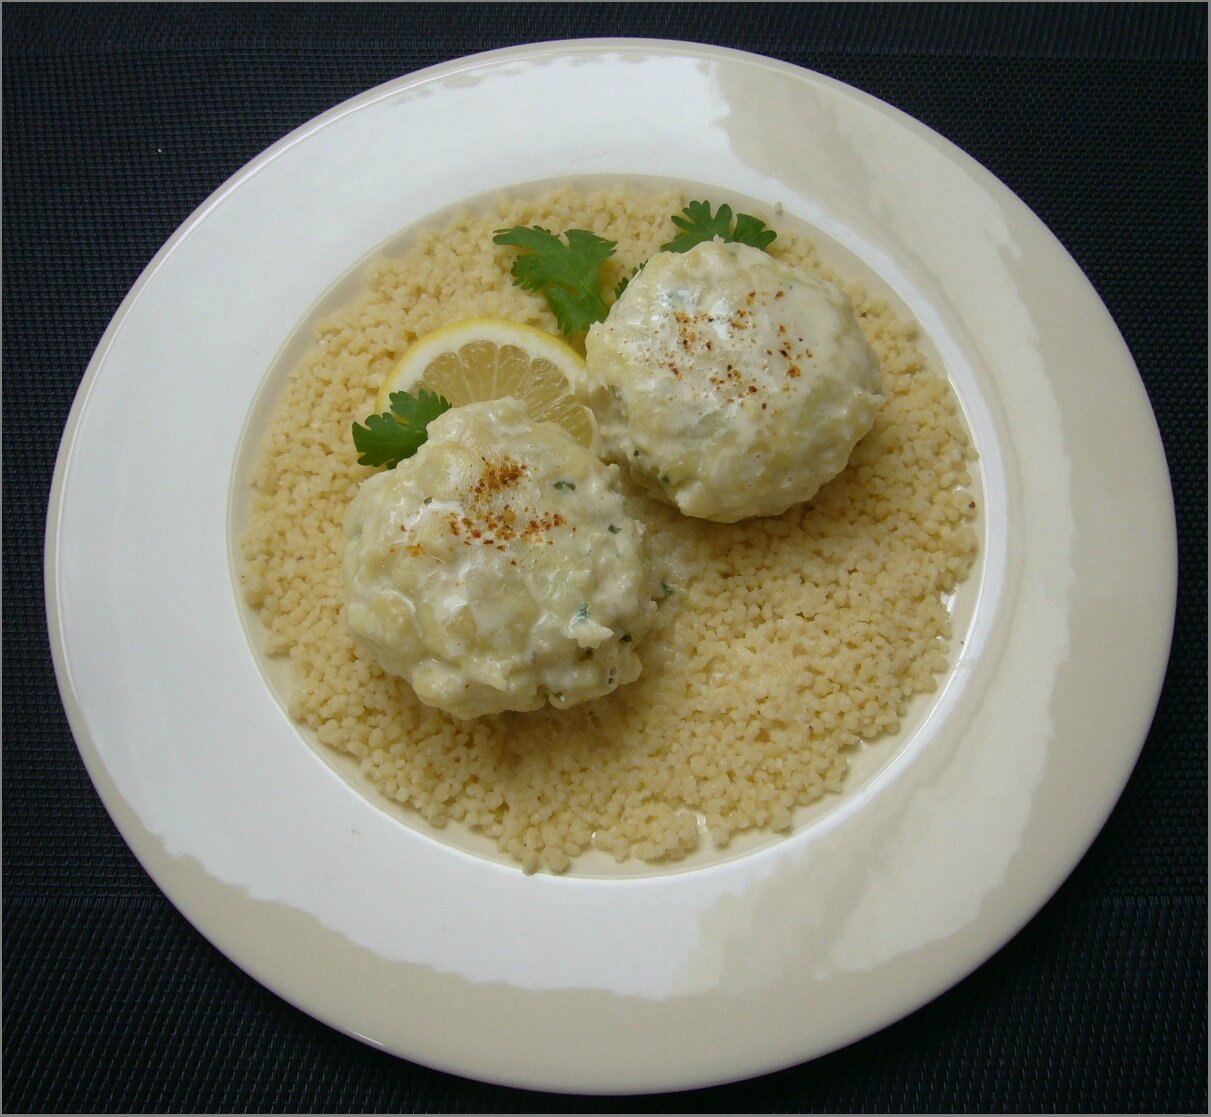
(119, 120)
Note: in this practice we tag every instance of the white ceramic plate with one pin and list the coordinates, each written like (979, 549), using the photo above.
(928, 863)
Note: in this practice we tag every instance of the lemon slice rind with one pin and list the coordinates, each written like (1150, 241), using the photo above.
(480, 359)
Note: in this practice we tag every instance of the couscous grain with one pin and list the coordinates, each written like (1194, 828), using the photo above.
(783, 642)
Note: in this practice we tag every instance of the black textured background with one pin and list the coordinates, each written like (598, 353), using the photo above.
(119, 120)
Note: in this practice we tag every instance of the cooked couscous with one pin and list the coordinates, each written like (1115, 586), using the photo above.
(778, 645)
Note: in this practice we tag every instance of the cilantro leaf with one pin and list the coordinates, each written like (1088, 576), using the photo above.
(568, 274)
(625, 281)
(752, 230)
(389, 438)
(699, 225)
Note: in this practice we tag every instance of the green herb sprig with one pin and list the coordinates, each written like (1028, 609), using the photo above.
(567, 271)
(698, 224)
(395, 435)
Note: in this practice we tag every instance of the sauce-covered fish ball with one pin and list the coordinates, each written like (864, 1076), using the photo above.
(732, 384)
(497, 568)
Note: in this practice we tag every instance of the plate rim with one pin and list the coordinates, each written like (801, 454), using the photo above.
(111, 797)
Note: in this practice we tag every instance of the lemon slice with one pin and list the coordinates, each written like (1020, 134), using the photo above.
(490, 358)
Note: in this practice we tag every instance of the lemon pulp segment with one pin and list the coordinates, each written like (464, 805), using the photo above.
(486, 359)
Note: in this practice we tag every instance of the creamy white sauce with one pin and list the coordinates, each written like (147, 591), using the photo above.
(498, 569)
(731, 384)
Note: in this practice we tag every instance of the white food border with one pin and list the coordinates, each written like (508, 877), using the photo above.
(436, 951)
